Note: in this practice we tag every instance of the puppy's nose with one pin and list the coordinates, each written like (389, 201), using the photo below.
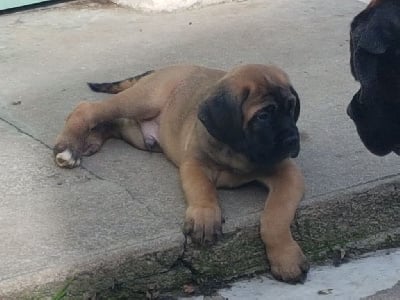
(290, 141)
(289, 137)
(292, 145)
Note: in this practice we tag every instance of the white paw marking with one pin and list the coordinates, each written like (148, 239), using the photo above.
(65, 160)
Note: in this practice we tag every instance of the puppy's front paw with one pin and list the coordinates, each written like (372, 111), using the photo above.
(203, 224)
(288, 263)
(66, 157)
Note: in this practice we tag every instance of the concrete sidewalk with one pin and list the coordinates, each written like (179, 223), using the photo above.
(113, 227)
(351, 281)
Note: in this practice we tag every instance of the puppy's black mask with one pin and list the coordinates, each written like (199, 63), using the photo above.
(375, 63)
(270, 136)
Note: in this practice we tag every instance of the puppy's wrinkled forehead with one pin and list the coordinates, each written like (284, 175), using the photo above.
(257, 78)
(257, 86)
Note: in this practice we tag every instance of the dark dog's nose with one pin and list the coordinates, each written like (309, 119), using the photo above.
(349, 111)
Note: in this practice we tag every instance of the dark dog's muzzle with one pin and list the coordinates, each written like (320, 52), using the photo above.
(349, 112)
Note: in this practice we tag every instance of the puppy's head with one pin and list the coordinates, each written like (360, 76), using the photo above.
(375, 63)
(254, 109)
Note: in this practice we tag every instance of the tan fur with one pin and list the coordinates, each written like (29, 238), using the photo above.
(171, 96)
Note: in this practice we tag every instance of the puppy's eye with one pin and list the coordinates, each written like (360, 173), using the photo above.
(270, 108)
(262, 116)
(266, 112)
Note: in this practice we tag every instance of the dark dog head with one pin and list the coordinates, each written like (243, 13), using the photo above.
(254, 109)
(375, 63)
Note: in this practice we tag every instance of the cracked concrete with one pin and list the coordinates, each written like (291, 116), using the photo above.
(113, 226)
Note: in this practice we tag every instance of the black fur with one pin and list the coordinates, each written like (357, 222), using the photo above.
(105, 87)
(297, 104)
(269, 137)
(375, 63)
(222, 116)
(113, 87)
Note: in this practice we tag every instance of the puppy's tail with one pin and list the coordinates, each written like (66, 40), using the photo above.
(117, 86)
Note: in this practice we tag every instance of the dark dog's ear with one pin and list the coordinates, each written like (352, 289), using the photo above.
(222, 116)
(297, 104)
(373, 39)
(383, 28)
(376, 30)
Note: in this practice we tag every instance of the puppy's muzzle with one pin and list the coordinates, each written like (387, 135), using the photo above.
(290, 142)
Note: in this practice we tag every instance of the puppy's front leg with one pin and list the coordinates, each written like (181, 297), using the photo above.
(203, 214)
(286, 188)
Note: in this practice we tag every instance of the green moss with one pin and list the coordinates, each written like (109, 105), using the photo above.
(353, 223)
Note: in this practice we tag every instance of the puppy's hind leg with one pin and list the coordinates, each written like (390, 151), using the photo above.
(143, 136)
(98, 135)
(136, 103)
(92, 144)
(128, 130)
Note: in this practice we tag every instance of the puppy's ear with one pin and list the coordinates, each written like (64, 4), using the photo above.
(297, 104)
(221, 114)
(383, 28)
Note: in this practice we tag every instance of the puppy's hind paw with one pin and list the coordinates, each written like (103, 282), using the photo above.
(67, 159)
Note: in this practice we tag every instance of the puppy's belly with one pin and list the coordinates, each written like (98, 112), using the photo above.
(151, 132)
